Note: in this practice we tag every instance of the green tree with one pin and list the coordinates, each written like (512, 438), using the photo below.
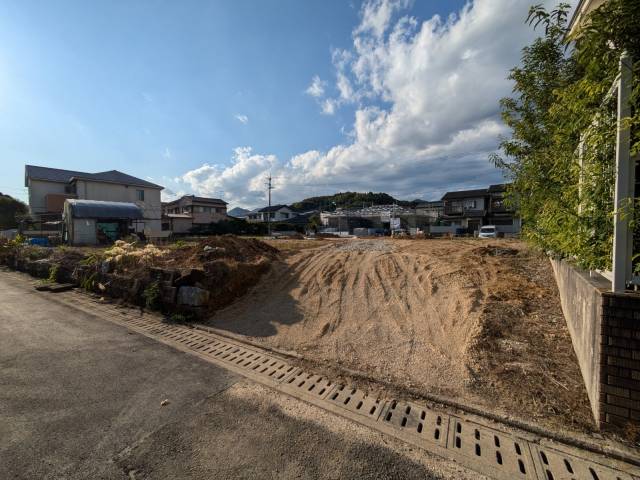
(346, 200)
(560, 156)
(9, 208)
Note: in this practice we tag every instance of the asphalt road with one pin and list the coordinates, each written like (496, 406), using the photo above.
(82, 398)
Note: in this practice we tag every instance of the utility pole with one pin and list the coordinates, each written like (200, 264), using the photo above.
(269, 188)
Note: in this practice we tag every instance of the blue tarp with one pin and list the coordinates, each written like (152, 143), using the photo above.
(98, 209)
(43, 242)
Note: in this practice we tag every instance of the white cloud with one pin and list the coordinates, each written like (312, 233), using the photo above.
(169, 195)
(329, 106)
(376, 16)
(426, 99)
(316, 89)
(241, 182)
(167, 153)
(242, 118)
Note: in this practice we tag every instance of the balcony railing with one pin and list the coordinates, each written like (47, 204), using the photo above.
(462, 211)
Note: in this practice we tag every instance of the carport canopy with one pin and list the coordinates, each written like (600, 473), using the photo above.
(102, 210)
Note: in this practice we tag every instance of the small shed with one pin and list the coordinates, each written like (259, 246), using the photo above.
(93, 222)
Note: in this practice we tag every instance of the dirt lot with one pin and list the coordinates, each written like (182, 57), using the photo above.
(478, 321)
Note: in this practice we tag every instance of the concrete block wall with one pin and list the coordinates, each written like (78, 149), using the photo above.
(605, 332)
(581, 299)
(620, 360)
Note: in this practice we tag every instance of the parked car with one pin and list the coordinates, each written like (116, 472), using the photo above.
(488, 231)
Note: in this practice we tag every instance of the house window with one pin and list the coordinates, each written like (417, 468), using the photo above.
(140, 195)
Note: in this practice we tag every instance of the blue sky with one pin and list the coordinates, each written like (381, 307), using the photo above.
(208, 97)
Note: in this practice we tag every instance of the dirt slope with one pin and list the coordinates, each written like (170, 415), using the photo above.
(372, 306)
(477, 321)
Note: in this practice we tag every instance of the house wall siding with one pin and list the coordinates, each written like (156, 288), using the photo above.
(38, 191)
(111, 192)
(181, 225)
(187, 205)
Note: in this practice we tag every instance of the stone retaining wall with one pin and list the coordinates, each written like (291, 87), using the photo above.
(176, 293)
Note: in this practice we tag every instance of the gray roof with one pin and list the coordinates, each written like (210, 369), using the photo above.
(104, 210)
(498, 188)
(272, 208)
(193, 198)
(65, 176)
(481, 192)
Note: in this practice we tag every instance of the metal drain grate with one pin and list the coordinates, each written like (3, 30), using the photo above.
(486, 449)
(418, 421)
(308, 384)
(507, 456)
(356, 401)
(556, 465)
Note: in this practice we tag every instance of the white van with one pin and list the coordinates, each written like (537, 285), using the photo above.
(488, 231)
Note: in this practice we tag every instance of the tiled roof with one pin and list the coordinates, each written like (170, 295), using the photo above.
(272, 208)
(193, 198)
(500, 187)
(481, 192)
(65, 176)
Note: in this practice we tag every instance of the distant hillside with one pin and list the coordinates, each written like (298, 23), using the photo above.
(9, 208)
(347, 200)
(238, 212)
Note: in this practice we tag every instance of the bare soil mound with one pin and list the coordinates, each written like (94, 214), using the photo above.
(371, 306)
(454, 317)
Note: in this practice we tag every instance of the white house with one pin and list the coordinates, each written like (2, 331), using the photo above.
(50, 187)
(274, 213)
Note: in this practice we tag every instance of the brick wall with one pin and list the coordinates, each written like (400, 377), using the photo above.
(620, 360)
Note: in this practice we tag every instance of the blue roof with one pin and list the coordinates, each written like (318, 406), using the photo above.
(98, 209)
(65, 176)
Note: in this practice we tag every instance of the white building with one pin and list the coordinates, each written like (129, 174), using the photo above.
(50, 187)
(274, 213)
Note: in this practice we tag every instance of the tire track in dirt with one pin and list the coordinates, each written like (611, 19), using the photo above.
(398, 313)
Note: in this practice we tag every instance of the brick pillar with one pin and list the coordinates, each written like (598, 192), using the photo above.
(620, 360)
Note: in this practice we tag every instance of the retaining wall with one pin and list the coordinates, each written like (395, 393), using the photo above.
(605, 331)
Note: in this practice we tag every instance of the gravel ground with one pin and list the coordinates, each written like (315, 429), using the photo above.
(365, 246)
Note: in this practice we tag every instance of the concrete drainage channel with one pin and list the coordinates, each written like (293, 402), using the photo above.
(485, 448)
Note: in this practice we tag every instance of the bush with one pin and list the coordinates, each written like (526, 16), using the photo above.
(54, 272)
(561, 154)
(151, 295)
